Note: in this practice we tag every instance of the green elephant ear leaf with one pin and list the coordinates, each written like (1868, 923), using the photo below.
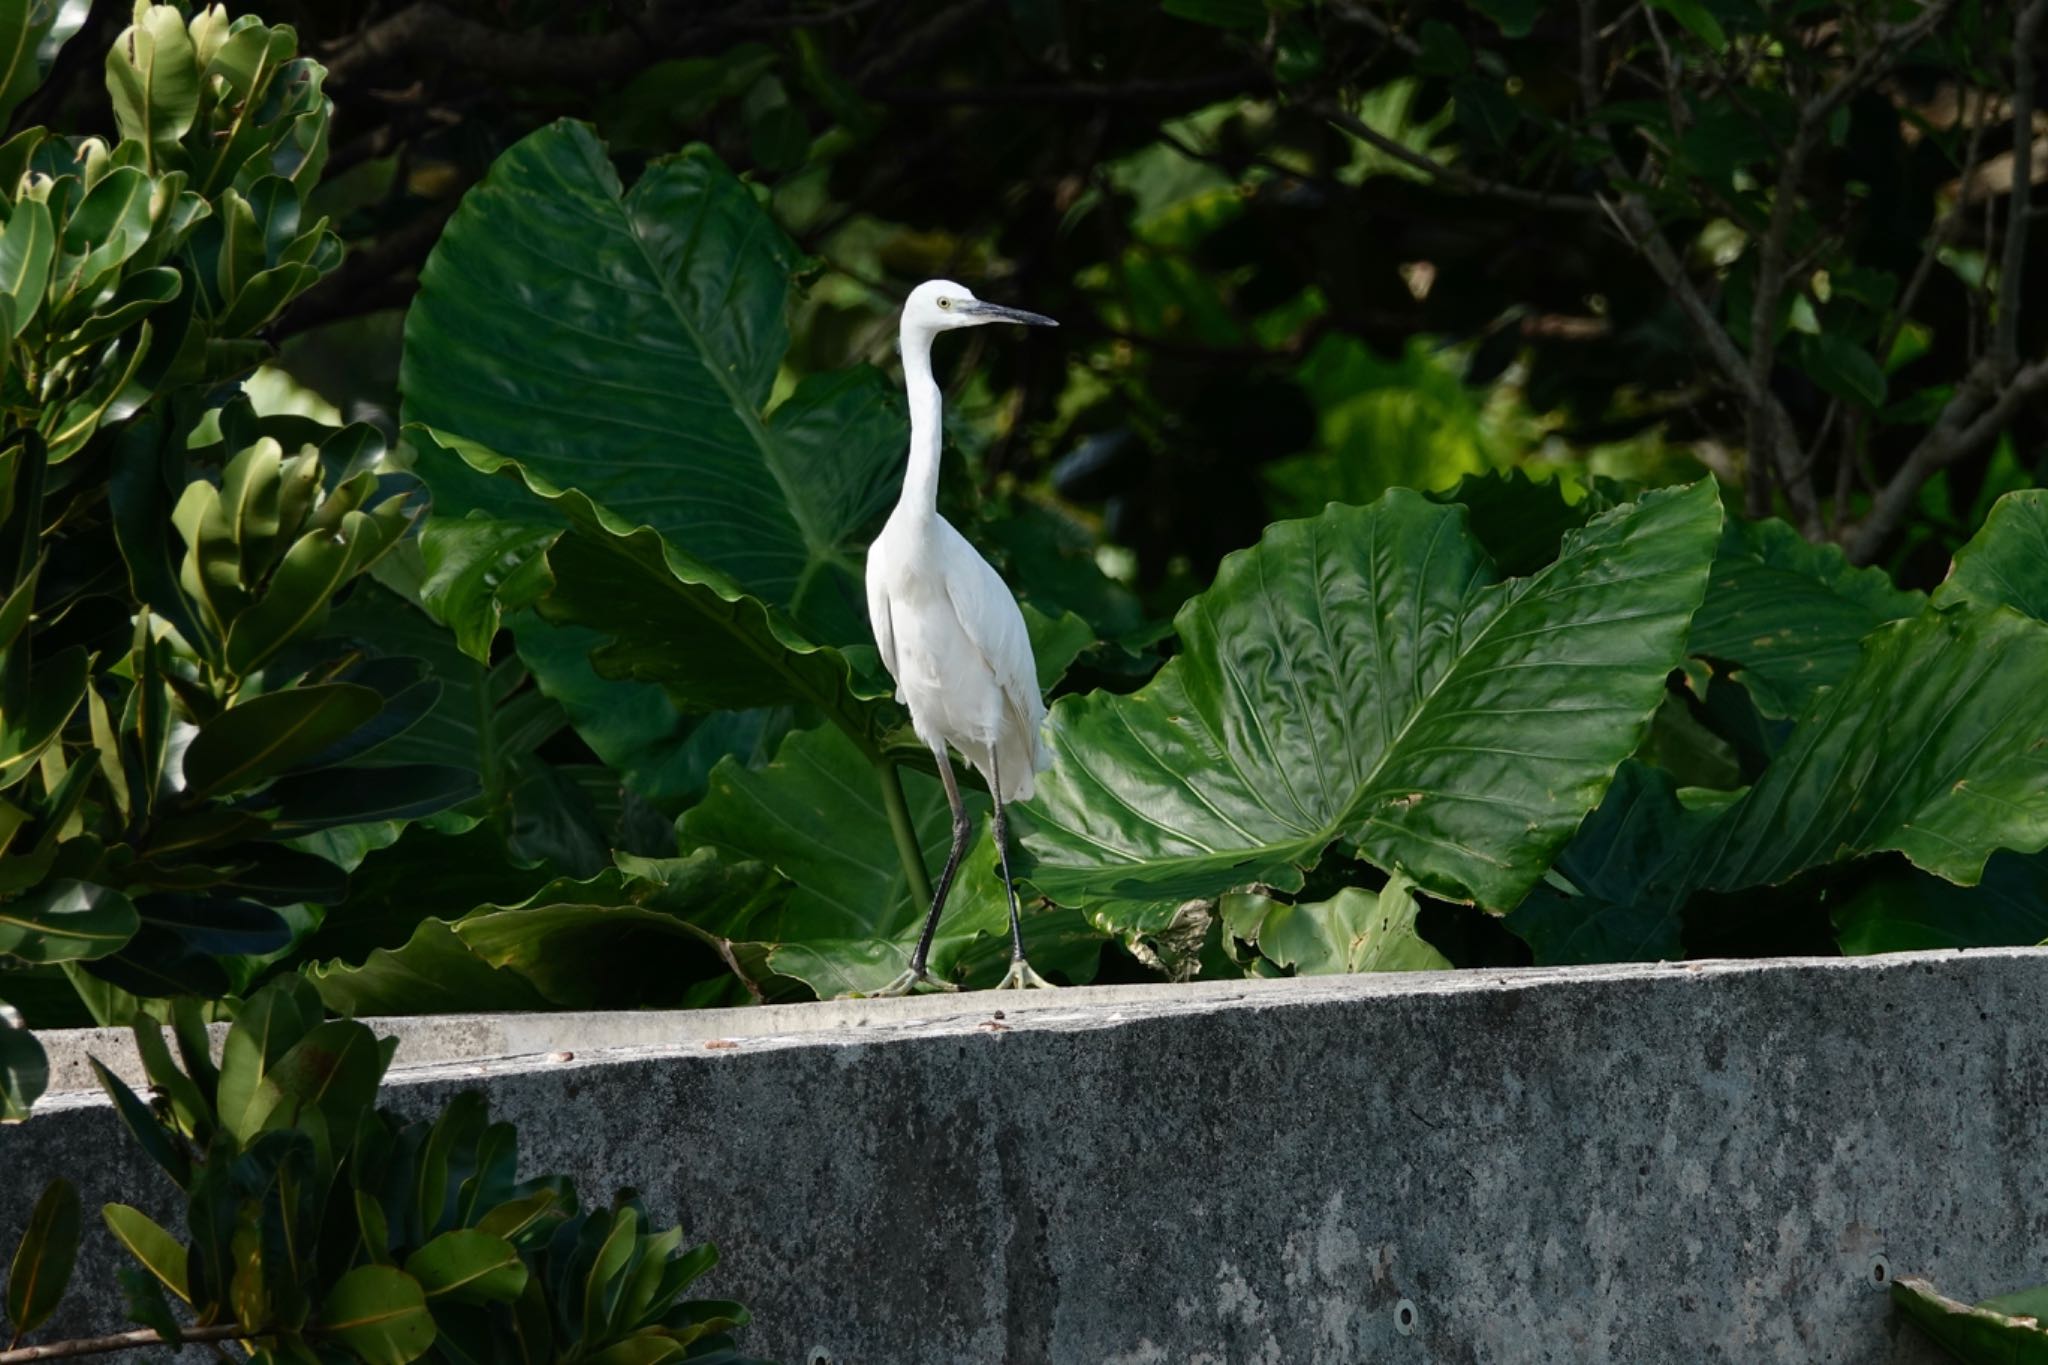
(624, 342)
(668, 618)
(1365, 678)
(1786, 615)
(1935, 745)
(2006, 562)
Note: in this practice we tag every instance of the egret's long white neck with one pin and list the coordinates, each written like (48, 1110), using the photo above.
(921, 479)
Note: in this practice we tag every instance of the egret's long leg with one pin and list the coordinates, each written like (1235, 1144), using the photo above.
(1020, 976)
(918, 975)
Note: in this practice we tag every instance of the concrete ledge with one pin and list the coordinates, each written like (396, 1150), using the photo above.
(1697, 1162)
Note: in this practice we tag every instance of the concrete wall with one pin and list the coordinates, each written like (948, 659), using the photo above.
(1699, 1162)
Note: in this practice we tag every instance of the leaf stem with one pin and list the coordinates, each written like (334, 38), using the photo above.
(891, 780)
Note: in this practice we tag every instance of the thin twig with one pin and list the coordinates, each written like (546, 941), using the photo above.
(129, 1341)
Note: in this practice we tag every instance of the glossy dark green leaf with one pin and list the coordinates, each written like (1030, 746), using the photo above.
(1842, 368)
(1696, 16)
(380, 1314)
(153, 76)
(41, 1269)
(1363, 677)
(1962, 685)
(269, 734)
(24, 1067)
(194, 1115)
(2006, 562)
(216, 925)
(335, 1068)
(159, 1253)
(689, 279)
(352, 796)
(24, 24)
(466, 1265)
(26, 247)
(143, 1126)
(267, 1027)
(58, 688)
(66, 921)
(1788, 614)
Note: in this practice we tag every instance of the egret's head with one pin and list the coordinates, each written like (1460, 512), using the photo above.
(941, 305)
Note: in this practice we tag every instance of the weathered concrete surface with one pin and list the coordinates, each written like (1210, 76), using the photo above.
(1686, 1163)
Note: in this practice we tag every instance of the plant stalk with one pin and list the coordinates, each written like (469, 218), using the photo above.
(891, 779)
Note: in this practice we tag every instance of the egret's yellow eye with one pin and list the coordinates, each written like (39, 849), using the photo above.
(945, 303)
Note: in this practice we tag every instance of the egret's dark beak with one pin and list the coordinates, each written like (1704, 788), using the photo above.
(995, 312)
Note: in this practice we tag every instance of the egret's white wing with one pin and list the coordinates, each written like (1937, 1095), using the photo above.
(884, 626)
(992, 623)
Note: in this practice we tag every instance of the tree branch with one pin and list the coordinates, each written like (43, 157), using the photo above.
(2005, 345)
(128, 1341)
(1084, 92)
(1954, 434)
(1996, 387)
(431, 27)
(1451, 175)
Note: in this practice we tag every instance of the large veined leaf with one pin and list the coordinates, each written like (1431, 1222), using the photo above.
(670, 619)
(1935, 746)
(1787, 614)
(616, 940)
(849, 925)
(624, 342)
(1366, 677)
(2006, 562)
(1616, 891)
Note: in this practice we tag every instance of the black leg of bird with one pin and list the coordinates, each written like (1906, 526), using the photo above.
(961, 830)
(1020, 976)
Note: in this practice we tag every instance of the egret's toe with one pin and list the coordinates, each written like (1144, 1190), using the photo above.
(909, 982)
(1022, 978)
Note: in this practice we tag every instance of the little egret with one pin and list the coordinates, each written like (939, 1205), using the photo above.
(949, 631)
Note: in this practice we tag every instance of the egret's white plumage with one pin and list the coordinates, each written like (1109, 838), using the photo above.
(949, 631)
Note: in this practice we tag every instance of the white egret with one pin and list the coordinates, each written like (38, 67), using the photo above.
(949, 630)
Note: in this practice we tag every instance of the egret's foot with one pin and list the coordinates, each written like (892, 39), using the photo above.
(1022, 978)
(910, 981)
